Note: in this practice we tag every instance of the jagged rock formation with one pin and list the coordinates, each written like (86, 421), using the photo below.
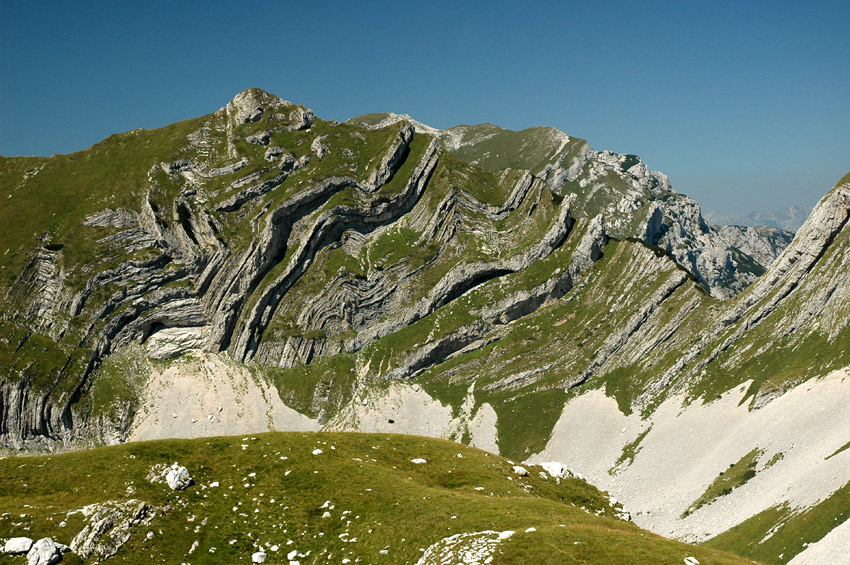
(109, 526)
(762, 243)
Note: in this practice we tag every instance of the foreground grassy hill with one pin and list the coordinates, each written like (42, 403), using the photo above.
(328, 497)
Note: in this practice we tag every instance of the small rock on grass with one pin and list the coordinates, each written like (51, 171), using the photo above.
(18, 545)
(44, 552)
(178, 477)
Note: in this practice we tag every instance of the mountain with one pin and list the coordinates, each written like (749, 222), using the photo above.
(259, 268)
(790, 219)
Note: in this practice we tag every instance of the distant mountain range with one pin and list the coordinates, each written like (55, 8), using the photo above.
(789, 219)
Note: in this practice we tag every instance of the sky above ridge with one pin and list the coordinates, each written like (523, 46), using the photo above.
(745, 105)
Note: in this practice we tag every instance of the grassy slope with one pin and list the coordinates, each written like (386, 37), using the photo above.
(393, 503)
(494, 148)
(53, 195)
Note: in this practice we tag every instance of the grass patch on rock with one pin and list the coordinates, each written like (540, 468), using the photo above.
(736, 475)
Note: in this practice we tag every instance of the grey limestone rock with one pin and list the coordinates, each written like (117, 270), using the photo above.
(172, 342)
(229, 169)
(254, 104)
(319, 147)
(249, 106)
(121, 219)
(261, 138)
(273, 153)
(300, 118)
(762, 243)
(110, 525)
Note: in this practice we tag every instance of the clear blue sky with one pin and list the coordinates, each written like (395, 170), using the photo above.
(745, 105)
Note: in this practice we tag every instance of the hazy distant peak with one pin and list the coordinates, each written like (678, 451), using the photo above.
(789, 219)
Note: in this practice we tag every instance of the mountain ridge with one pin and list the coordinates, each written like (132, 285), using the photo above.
(644, 205)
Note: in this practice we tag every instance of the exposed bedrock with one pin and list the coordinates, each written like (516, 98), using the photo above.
(324, 230)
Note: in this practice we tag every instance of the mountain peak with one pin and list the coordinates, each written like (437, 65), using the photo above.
(253, 104)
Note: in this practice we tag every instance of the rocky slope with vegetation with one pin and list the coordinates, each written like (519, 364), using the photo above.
(635, 201)
(261, 268)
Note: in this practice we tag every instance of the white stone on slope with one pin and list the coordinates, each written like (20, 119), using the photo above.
(556, 469)
(178, 477)
(201, 383)
(44, 552)
(18, 545)
(472, 548)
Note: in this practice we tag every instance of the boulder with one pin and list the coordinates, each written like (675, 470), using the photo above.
(258, 557)
(17, 546)
(556, 470)
(44, 552)
(178, 477)
(261, 138)
(273, 152)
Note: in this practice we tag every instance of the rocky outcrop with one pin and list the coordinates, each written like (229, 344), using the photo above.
(323, 230)
(109, 526)
(762, 243)
(178, 478)
(44, 552)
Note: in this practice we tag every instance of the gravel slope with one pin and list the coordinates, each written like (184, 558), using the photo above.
(688, 446)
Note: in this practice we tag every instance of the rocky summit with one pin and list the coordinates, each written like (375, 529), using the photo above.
(261, 268)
